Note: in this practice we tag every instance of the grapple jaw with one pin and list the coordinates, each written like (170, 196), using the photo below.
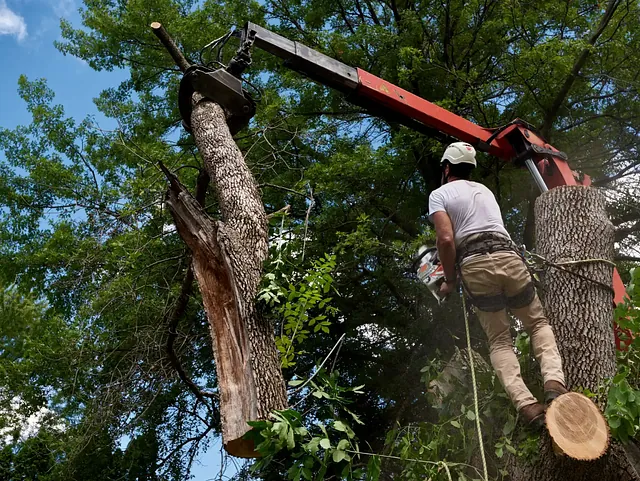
(221, 87)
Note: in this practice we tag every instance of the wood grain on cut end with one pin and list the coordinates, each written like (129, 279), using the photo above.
(241, 448)
(577, 427)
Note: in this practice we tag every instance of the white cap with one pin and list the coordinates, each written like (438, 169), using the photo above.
(460, 153)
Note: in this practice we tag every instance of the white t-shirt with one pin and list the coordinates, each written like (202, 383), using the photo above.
(471, 206)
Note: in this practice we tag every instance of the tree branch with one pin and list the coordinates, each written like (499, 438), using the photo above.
(627, 258)
(170, 45)
(623, 232)
(181, 307)
(575, 71)
(286, 189)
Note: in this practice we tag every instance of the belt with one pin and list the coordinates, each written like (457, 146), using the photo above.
(484, 243)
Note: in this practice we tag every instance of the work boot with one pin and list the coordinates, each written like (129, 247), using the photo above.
(553, 389)
(533, 415)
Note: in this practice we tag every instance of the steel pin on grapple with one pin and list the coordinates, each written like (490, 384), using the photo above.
(223, 86)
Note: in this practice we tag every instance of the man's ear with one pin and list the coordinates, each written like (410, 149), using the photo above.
(446, 170)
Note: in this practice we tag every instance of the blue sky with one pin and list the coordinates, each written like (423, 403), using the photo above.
(28, 29)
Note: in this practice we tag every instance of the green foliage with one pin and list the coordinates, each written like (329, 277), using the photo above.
(300, 303)
(623, 394)
(623, 407)
(326, 449)
(451, 437)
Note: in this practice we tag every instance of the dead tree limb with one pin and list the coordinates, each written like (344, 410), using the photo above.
(181, 306)
(227, 257)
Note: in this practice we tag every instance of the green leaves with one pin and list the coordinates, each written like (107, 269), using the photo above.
(301, 306)
(623, 408)
(373, 468)
(85, 233)
(313, 454)
(623, 397)
(326, 447)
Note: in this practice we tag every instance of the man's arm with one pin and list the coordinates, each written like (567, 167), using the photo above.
(445, 244)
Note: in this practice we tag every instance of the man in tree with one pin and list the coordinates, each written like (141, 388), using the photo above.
(472, 241)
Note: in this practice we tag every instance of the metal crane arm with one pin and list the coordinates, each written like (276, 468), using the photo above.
(516, 142)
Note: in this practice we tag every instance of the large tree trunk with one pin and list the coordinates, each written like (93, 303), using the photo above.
(227, 260)
(571, 225)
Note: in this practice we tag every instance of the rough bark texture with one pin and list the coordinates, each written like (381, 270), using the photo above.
(227, 260)
(571, 224)
(243, 235)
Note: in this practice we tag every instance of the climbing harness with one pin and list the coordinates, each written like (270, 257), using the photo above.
(488, 243)
(484, 243)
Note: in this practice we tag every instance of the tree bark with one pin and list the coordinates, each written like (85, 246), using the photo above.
(571, 225)
(227, 260)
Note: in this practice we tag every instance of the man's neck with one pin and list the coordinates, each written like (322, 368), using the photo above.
(452, 178)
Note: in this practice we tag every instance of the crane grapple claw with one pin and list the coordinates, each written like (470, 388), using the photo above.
(221, 87)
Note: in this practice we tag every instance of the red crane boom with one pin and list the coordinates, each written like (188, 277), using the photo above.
(515, 142)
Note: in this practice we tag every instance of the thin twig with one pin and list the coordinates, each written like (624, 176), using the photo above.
(284, 210)
(321, 365)
(312, 203)
(286, 189)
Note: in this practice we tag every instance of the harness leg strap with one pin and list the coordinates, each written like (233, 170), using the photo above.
(523, 298)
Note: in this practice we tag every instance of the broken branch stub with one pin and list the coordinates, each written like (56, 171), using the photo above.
(170, 45)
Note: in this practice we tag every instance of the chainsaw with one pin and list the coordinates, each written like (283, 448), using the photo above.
(429, 270)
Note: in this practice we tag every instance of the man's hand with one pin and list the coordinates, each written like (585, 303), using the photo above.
(447, 288)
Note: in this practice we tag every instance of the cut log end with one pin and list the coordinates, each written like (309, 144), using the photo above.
(577, 427)
(241, 448)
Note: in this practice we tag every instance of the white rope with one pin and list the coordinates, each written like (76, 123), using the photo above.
(442, 464)
(475, 388)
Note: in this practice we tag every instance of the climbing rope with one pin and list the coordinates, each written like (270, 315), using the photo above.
(441, 464)
(475, 387)
(563, 267)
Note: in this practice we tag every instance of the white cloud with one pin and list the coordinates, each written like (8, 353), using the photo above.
(25, 426)
(11, 23)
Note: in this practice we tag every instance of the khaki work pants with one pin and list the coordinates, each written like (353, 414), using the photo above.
(505, 273)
